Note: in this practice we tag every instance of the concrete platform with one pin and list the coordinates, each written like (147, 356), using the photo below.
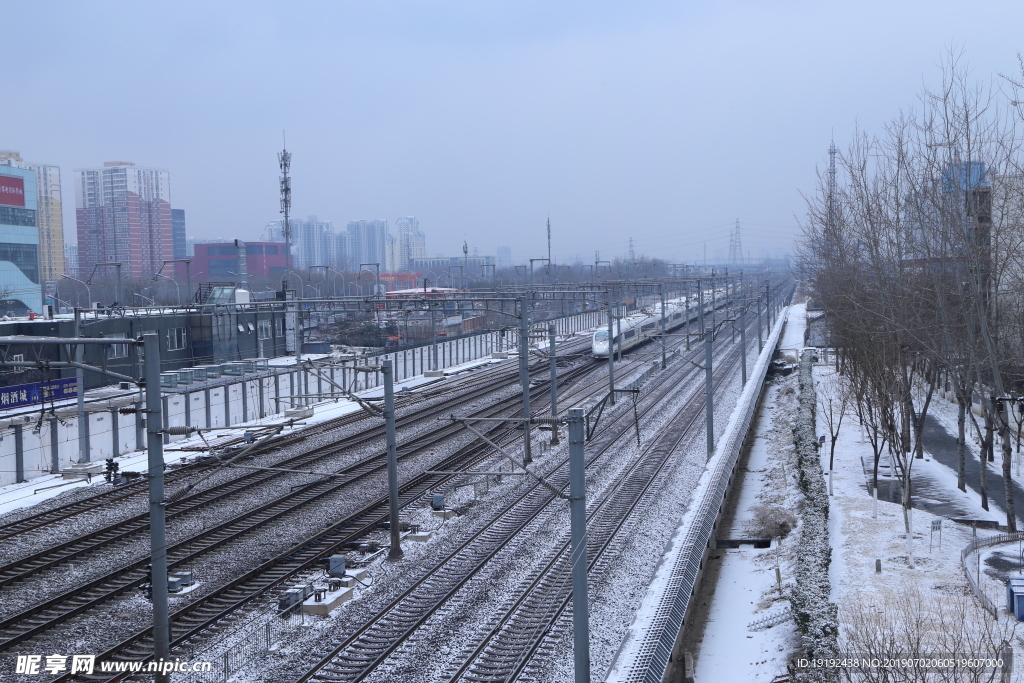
(444, 514)
(330, 600)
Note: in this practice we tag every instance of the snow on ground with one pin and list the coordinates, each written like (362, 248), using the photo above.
(793, 335)
(929, 569)
(933, 587)
(746, 589)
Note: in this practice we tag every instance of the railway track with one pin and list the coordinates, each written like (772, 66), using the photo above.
(138, 489)
(128, 529)
(356, 657)
(189, 622)
(48, 614)
(194, 619)
(510, 640)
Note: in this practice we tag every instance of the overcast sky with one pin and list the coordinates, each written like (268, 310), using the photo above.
(661, 121)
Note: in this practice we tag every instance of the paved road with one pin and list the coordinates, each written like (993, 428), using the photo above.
(942, 446)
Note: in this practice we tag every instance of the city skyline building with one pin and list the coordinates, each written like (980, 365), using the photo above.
(71, 259)
(311, 239)
(123, 215)
(20, 288)
(49, 215)
(410, 243)
(369, 241)
(319, 243)
(178, 239)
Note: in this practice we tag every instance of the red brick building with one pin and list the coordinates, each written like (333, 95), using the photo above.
(123, 215)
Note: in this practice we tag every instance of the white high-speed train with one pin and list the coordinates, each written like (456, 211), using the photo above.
(634, 329)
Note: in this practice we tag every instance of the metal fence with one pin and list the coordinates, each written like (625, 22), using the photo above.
(242, 646)
(974, 580)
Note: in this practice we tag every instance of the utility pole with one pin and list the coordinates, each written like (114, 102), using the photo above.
(84, 447)
(157, 519)
(687, 315)
(768, 303)
(553, 358)
(611, 351)
(709, 391)
(700, 305)
(743, 343)
(524, 373)
(578, 548)
(549, 240)
(760, 343)
(433, 340)
(664, 330)
(395, 553)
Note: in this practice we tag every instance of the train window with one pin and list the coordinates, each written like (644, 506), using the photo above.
(649, 326)
(617, 339)
(630, 334)
(601, 336)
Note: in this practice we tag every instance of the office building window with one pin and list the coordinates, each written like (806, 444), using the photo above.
(175, 338)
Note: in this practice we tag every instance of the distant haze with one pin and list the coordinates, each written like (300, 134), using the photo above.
(664, 121)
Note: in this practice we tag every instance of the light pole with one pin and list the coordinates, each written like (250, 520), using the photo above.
(88, 291)
(118, 294)
(176, 287)
(461, 277)
(188, 274)
(531, 266)
(376, 281)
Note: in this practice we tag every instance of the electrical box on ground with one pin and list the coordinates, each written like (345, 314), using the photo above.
(336, 565)
(437, 501)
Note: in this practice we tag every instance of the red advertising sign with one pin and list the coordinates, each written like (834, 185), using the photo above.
(12, 191)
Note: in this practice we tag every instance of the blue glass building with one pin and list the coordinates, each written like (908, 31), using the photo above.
(20, 290)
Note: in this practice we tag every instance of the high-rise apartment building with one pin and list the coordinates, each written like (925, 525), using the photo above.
(504, 257)
(49, 219)
(365, 241)
(312, 238)
(179, 243)
(20, 289)
(124, 216)
(409, 243)
(369, 243)
(71, 259)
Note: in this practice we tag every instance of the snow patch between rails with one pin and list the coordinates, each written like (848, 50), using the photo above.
(649, 640)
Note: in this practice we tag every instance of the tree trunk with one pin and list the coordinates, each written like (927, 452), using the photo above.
(961, 445)
(986, 444)
(1011, 507)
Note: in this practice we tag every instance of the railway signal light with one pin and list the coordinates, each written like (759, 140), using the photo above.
(111, 471)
